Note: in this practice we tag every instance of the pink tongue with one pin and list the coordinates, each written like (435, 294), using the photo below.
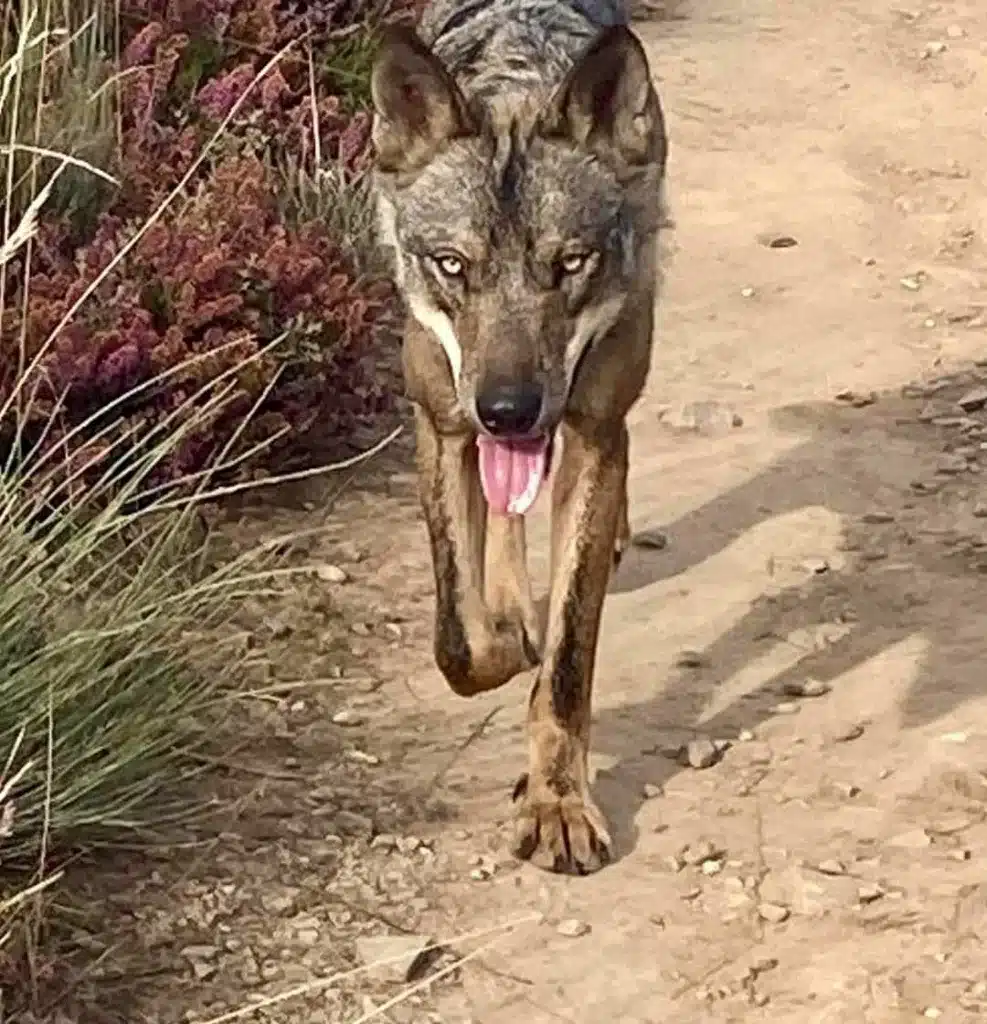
(512, 473)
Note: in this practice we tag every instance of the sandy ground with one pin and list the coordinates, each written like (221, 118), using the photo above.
(818, 613)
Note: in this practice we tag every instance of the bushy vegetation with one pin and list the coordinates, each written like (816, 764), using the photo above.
(185, 289)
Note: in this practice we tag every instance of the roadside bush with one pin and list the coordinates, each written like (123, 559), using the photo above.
(164, 320)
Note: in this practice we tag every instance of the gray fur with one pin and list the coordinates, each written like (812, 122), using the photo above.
(501, 169)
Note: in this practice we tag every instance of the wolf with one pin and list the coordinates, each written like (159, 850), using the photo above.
(520, 165)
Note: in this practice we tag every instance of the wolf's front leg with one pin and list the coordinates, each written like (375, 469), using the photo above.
(476, 648)
(559, 827)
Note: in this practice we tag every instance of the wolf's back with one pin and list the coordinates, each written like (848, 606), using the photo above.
(493, 46)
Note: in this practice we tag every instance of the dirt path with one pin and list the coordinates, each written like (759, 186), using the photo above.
(835, 858)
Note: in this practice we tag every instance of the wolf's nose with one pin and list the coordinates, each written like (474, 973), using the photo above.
(509, 409)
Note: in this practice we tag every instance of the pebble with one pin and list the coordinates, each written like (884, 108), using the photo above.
(915, 839)
(697, 853)
(773, 913)
(878, 517)
(747, 293)
(847, 733)
(785, 707)
(702, 753)
(402, 957)
(745, 736)
(950, 824)
(347, 717)
(932, 1012)
(704, 417)
(807, 688)
(831, 867)
(331, 574)
(572, 928)
(362, 757)
(870, 893)
(652, 791)
(951, 465)
(652, 540)
(973, 400)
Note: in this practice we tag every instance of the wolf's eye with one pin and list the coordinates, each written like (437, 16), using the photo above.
(449, 264)
(574, 262)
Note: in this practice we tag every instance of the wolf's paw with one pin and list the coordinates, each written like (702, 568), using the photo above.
(565, 834)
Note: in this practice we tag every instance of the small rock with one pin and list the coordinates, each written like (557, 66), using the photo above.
(692, 659)
(877, 517)
(950, 824)
(401, 957)
(651, 791)
(847, 733)
(980, 510)
(572, 928)
(347, 717)
(279, 628)
(747, 293)
(785, 707)
(384, 842)
(361, 629)
(705, 417)
(702, 753)
(331, 574)
(362, 757)
(711, 867)
(973, 400)
(307, 936)
(869, 893)
(915, 839)
(745, 736)
(807, 688)
(911, 282)
(951, 465)
(773, 913)
(652, 540)
(203, 970)
(279, 903)
(353, 824)
(831, 867)
(696, 853)
(934, 49)
(782, 242)
(932, 1012)
(199, 952)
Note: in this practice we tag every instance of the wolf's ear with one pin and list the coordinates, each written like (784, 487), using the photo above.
(417, 104)
(607, 102)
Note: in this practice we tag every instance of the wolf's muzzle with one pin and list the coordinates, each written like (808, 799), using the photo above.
(510, 409)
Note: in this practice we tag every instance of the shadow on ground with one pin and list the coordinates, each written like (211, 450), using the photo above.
(916, 554)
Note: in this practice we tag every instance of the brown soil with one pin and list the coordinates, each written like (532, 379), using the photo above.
(832, 865)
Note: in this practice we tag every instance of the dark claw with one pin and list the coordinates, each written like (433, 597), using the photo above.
(520, 788)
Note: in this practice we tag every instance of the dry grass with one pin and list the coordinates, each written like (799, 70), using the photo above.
(117, 646)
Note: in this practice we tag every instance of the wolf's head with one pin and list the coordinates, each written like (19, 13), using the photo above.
(519, 223)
